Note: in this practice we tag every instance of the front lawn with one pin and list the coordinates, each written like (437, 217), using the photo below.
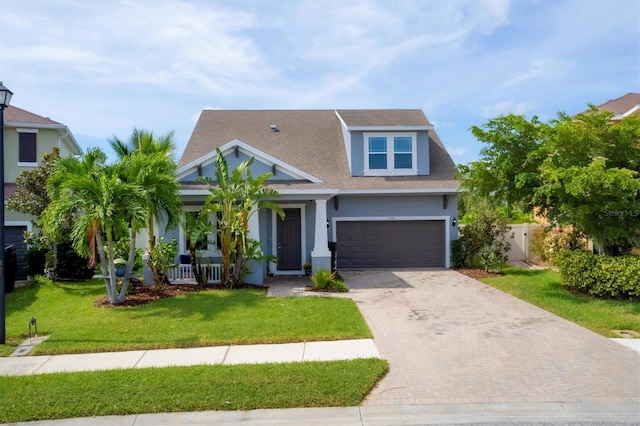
(66, 312)
(543, 288)
(197, 388)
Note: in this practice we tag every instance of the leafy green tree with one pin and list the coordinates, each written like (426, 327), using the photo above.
(152, 167)
(508, 169)
(235, 197)
(581, 171)
(91, 198)
(591, 179)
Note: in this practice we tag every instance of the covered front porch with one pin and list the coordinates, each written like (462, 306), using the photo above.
(302, 237)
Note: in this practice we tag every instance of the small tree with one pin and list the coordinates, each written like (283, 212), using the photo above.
(485, 239)
(161, 258)
(197, 229)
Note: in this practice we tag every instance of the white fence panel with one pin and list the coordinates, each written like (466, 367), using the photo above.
(183, 274)
(522, 233)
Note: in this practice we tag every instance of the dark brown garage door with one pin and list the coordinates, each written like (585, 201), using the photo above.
(15, 235)
(388, 244)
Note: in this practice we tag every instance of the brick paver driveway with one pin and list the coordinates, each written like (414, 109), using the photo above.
(451, 339)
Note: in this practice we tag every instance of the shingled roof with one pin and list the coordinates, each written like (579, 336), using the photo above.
(312, 141)
(15, 115)
(622, 106)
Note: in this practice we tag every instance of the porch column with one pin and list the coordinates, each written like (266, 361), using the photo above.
(255, 275)
(321, 256)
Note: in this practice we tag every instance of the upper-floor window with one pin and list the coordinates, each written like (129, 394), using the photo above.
(390, 154)
(27, 147)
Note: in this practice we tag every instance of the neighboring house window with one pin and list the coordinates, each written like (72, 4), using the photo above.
(27, 148)
(390, 154)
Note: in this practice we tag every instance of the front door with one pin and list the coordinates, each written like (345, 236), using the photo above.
(289, 241)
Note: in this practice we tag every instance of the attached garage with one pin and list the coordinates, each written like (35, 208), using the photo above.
(14, 235)
(390, 243)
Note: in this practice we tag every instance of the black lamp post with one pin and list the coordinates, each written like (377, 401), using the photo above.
(5, 98)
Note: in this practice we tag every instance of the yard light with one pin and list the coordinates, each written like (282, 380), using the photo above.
(5, 98)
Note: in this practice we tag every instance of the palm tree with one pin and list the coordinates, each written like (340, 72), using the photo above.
(151, 165)
(99, 205)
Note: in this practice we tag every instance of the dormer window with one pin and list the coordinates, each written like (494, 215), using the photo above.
(388, 154)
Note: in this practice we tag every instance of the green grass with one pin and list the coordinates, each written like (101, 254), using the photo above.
(543, 288)
(66, 312)
(197, 388)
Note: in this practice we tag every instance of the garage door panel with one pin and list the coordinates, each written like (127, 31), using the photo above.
(383, 244)
(14, 235)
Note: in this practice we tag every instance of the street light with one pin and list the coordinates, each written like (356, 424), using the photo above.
(5, 98)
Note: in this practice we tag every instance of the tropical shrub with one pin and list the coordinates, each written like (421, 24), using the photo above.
(600, 275)
(34, 259)
(69, 264)
(547, 242)
(121, 251)
(458, 253)
(484, 241)
(323, 279)
(161, 258)
(62, 263)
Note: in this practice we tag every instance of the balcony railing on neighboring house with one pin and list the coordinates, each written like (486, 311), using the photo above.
(183, 274)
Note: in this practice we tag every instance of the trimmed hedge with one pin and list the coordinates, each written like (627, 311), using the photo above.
(600, 275)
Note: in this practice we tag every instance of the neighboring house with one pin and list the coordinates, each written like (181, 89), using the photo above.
(27, 136)
(623, 106)
(379, 183)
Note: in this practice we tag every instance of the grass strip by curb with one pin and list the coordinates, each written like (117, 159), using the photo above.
(196, 388)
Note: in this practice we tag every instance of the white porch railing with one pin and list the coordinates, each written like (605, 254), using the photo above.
(183, 274)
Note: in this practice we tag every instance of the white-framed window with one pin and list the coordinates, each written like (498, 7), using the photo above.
(390, 154)
(28, 147)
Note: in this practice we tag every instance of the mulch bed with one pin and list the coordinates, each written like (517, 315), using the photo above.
(477, 273)
(140, 294)
(321, 290)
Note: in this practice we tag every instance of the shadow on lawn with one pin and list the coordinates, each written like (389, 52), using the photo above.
(206, 303)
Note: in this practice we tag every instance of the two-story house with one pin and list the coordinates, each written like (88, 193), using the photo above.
(379, 183)
(27, 136)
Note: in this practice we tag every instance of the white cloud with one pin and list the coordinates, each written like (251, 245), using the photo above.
(507, 107)
(458, 151)
(103, 67)
(537, 69)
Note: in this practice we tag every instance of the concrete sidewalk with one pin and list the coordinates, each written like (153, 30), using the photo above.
(437, 414)
(217, 355)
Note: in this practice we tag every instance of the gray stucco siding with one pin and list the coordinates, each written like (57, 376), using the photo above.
(257, 168)
(357, 153)
(393, 208)
(423, 153)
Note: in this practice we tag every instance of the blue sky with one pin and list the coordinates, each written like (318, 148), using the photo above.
(105, 67)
